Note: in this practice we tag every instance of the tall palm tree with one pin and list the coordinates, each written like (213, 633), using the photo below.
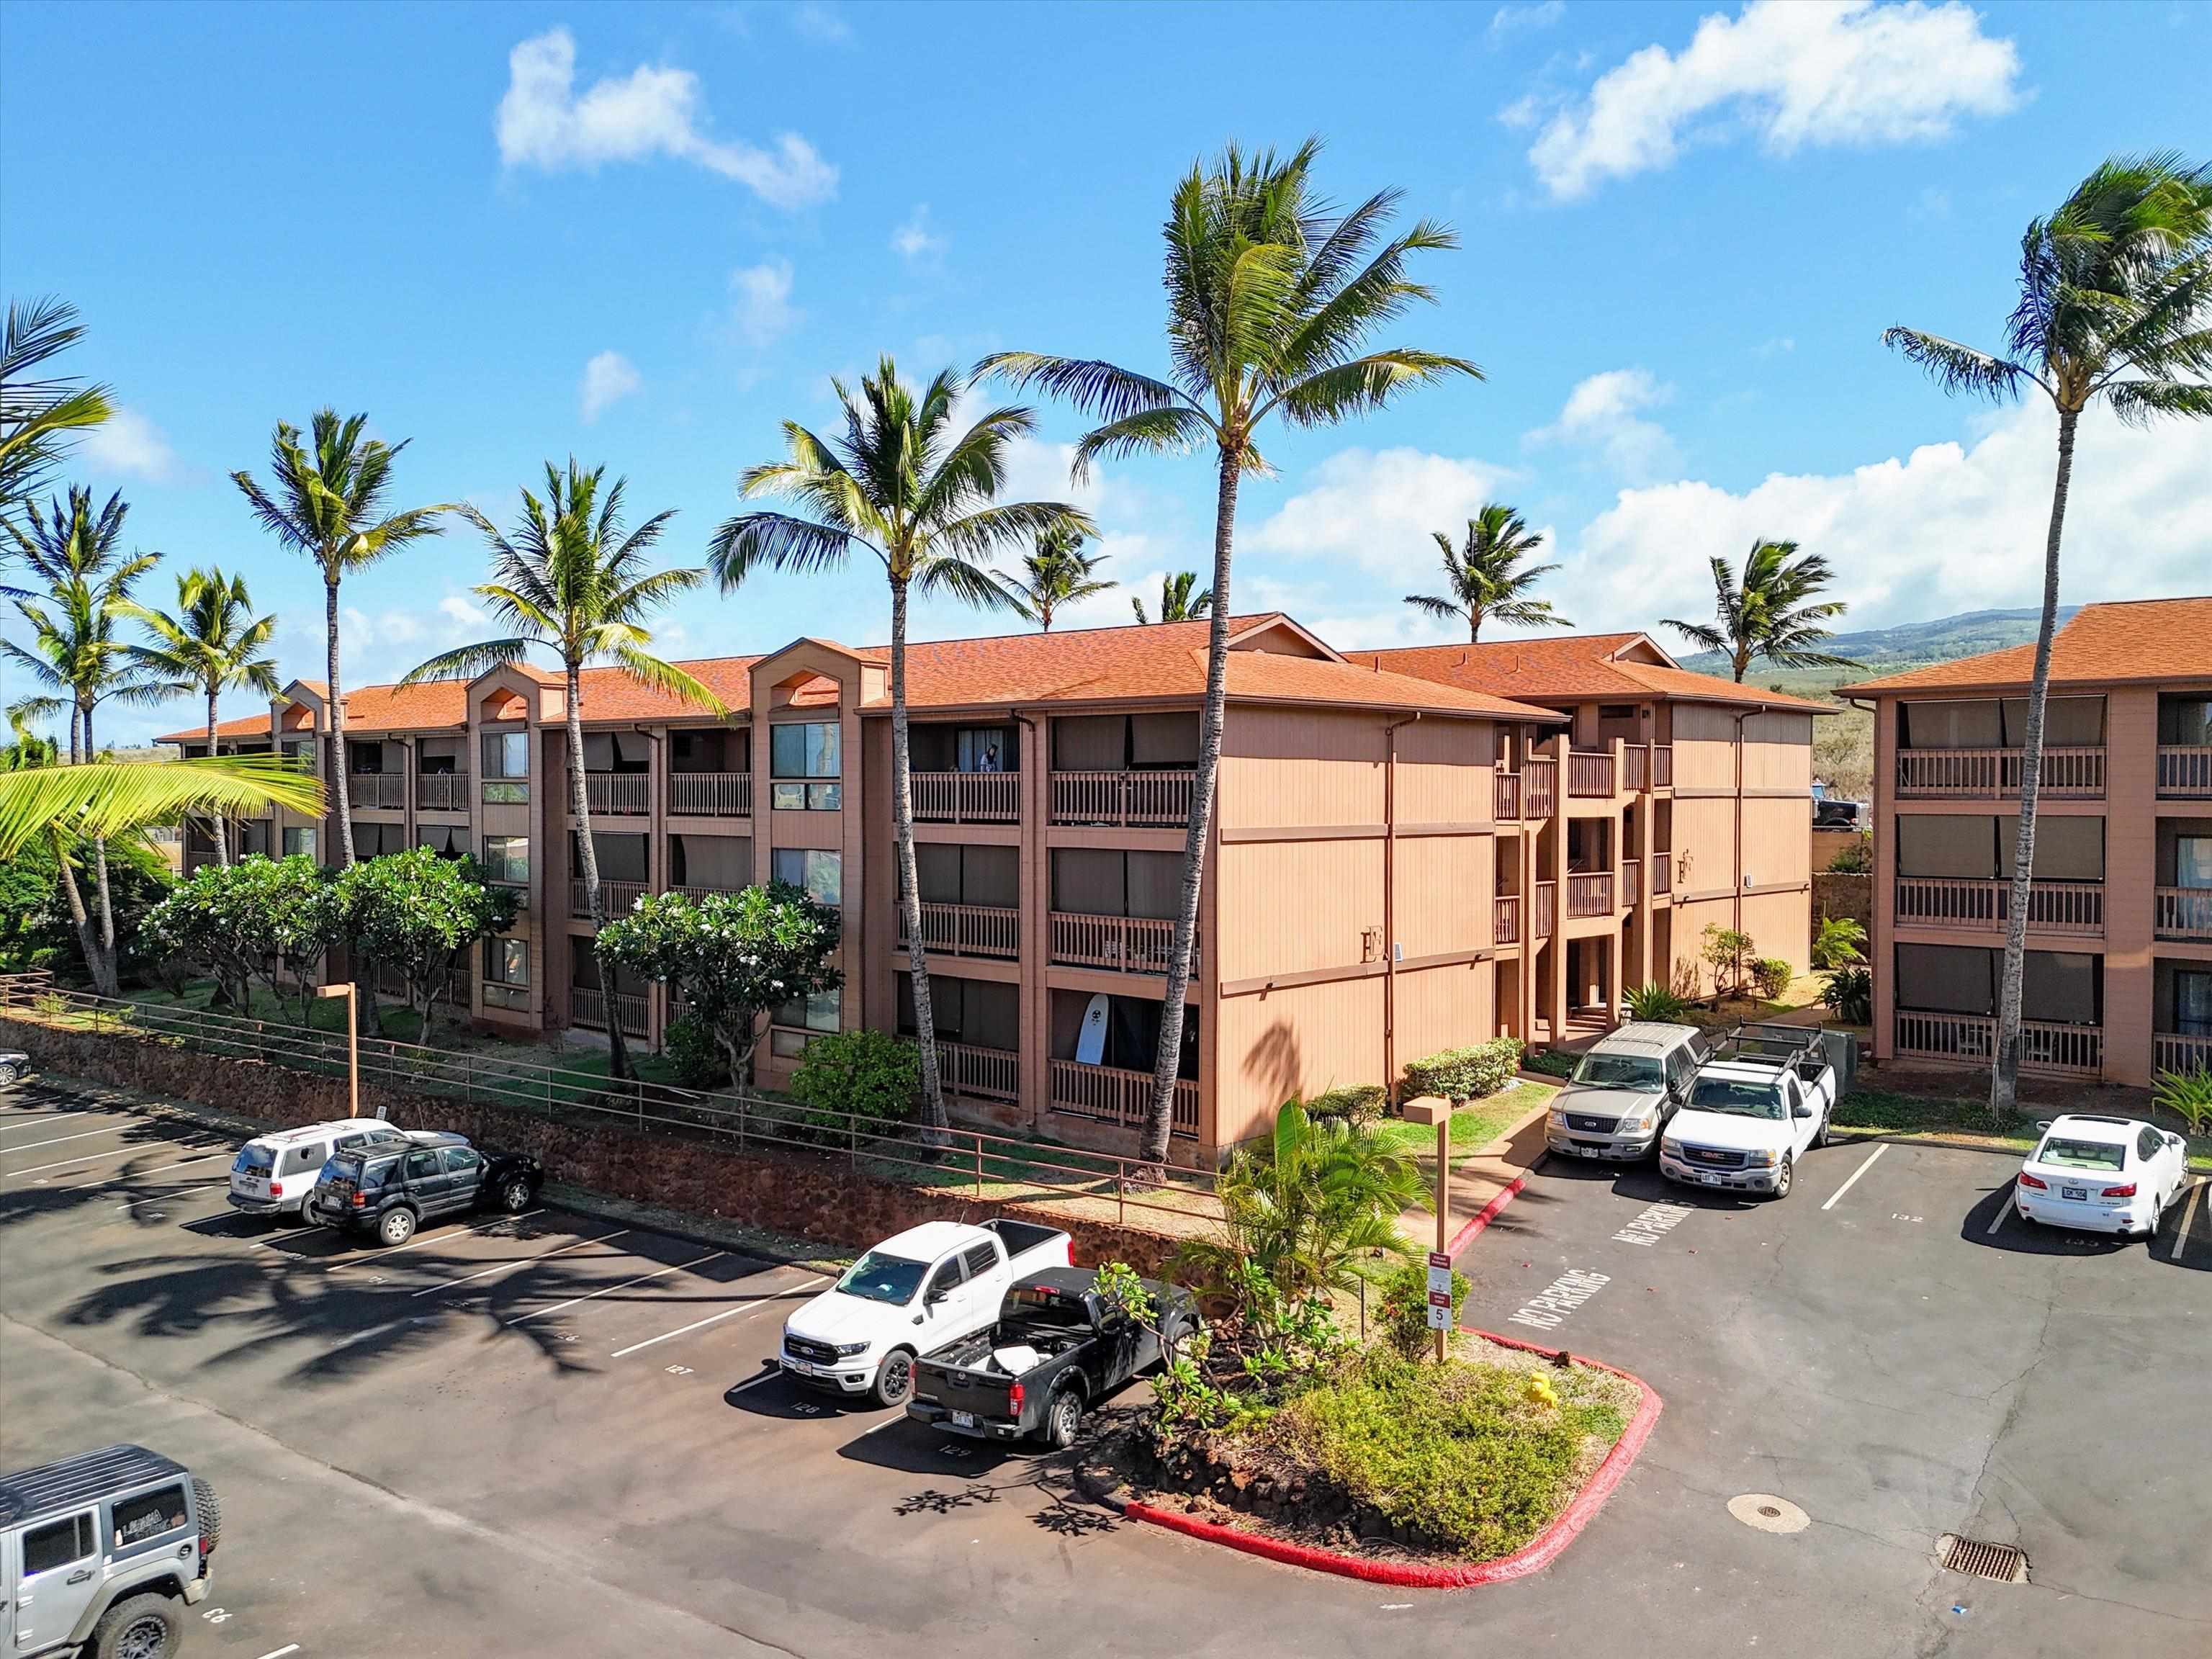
(1178, 602)
(1769, 614)
(212, 643)
(572, 579)
(1273, 297)
(1486, 580)
(1057, 574)
(326, 503)
(39, 415)
(69, 539)
(2115, 300)
(903, 483)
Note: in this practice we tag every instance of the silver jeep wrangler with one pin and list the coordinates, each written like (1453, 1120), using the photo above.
(100, 1553)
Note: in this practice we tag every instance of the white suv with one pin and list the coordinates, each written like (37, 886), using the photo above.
(274, 1173)
(1624, 1090)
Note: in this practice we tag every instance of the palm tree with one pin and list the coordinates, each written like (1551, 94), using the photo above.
(1486, 580)
(38, 417)
(106, 799)
(1059, 573)
(2115, 296)
(1177, 603)
(572, 579)
(1272, 296)
(326, 505)
(211, 644)
(903, 483)
(1768, 615)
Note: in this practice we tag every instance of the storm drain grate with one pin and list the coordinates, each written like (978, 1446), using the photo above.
(1978, 1559)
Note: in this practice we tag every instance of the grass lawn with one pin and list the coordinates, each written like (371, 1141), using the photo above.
(1474, 1126)
(1883, 1111)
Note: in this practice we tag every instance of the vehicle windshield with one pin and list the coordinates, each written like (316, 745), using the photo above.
(880, 1278)
(1619, 1071)
(2082, 1154)
(1731, 1098)
(254, 1160)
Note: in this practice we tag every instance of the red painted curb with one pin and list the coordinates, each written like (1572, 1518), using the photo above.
(1534, 1556)
(1499, 1201)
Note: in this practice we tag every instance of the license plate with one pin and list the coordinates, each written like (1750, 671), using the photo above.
(1710, 1179)
(964, 1419)
(804, 1368)
(2073, 1192)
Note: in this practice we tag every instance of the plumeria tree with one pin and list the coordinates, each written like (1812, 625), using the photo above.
(420, 915)
(261, 919)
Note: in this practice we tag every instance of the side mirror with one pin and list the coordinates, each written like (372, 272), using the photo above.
(2043, 1123)
(1802, 1110)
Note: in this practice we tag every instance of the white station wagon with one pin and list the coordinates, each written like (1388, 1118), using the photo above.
(2102, 1175)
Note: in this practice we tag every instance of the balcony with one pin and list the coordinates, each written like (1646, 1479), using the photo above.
(1108, 1094)
(1985, 905)
(967, 930)
(618, 794)
(1506, 927)
(442, 792)
(1970, 1039)
(1636, 767)
(1662, 766)
(2172, 1051)
(2182, 913)
(1994, 773)
(1128, 944)
(697, 891)
(980, 1073)
(587, 1007)
(969, 796)
(1547, 910)
(1589, 775)
(1589, 893)
(378, 791)
(707, 794)
(1509, 797)
(2184, 769)
(1662, 872)
(1631, 882)
(617, 896)
(1539, 788)
(1122, 800)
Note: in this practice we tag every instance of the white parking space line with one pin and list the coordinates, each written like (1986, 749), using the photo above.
(609, 1289)
(89, 1158)
(85, 1135)
(423, 1239)
(279, 1653)
(1855, 1175)
(2188, 1215)
(116, 1180)
(768, 1376)
(44, 1121)
(2004, 1213)
(520, 1261)
(767, 1299)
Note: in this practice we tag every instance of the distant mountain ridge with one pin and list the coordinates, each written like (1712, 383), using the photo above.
(1909, 645)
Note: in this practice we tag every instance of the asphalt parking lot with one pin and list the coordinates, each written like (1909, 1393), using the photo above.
(556, 1434)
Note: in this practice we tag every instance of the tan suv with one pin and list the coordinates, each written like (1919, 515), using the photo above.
(1624, 1091)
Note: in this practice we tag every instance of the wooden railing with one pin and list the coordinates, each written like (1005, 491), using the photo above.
(2183, 913)
(1662, 766)
(1589, 775)
(1993, 774)
(2173, 1052)
(1109, 1094)
(1636, 767)
(1506, 929)
(711, 795)
(1662, 872)
(967, 930)
(1547, 910)
(1631, 882)
(695, 890)
(967, 797)
(619, 793)
(2185, 768)
(1130, 945)
(1509, 797)
(980, 1073)
(379, 791)
(1970, 1039)
(1539, 788)
(2053, 906)
(587, 1007)
(442, 792)
(1589, 893)
(1121, 799)
(617, 896)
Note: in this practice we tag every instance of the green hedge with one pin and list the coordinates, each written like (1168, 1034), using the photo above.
(1463, 1074)
(1360, 1103)
(871, 1075)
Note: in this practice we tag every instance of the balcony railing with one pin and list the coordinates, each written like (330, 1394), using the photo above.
(1631, 882)
(1539, 788)
(617, 896)
(1547, 910)
(2172, 1051)
(442, 792)
(704, 891)
(1108, 1094)
(1590, 775)
(1122, 799)
(968, 797)
(2183, 913)
(967, 930)
(1128, 944)
(1636, 767)
(378, 792)
(622, 794)
(1970, 1039)
(1589, 893)
(2053, 906)
(710, 794)
(1662, 766)
(1506, 930)
(1509, 797)
(980, 1073)
(2185, 770)
(588, 1008)
(1662, 872)
(1993, 774)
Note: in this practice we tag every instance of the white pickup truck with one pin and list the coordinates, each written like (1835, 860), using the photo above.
(1757, 1106)
(913, 1294)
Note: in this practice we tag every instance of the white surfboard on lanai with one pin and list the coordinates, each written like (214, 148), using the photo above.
(1091, 1041)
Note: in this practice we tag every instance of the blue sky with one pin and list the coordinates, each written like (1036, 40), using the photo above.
(645, 235)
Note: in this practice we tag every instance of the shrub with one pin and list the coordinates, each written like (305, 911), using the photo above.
(1657, 1002)
(1849, 993)
(697, 1053)
(872, 1075)
(2188, 1096)
(1552, 1062)
(1772, 976)
(1724, 951)
(1837, 942)
(1464, 1075)
(1855, 860)
(1404, 1317)
(1356, 1103)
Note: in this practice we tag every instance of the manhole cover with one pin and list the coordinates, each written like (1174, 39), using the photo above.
(1978, 1559)
(1769, 1513)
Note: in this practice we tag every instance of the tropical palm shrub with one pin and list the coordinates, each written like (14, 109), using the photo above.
(1837, 942)
(1460, 1075)
(1848, 991)
(2188, 1096)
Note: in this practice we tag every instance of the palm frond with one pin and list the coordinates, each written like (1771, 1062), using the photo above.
(668, 680)
(1173, 429)
(1697, 632)
(946, 576)
(110, 799)
(1363, 386)
(465, 662)
(1097, 388)
(1444, 608)
(2138, 403)
(777, 540)
(1957, 368)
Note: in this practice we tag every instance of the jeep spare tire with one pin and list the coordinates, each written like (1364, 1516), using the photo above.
(210, 1508)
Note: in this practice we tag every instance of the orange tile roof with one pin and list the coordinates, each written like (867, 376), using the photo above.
(2122, 643)
(1571, 667)
(252, 725)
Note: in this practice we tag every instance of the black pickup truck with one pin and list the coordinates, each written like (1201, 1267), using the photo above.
(1057, 1349)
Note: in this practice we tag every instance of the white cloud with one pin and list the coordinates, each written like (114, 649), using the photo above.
(1602, 413)
(654, 111)
(127, 442)
(609, 378)
(1845, 72)
(1509, 20)
(763, 310)
(915, 242)
(1373, 512)
(815, 20)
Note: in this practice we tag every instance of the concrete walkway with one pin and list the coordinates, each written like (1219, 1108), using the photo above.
(1479, 1177)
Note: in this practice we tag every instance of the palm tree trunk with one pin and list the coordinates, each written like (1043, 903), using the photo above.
(2004, 1075)
(917, 950)
(221, 836)
(579, 812)
(1167, 1065)
(79, 918)
(336, 783)
(104, 977)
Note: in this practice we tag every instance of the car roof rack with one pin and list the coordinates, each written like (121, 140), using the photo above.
(1777, 1046)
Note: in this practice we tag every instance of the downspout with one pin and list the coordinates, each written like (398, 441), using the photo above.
(1741, 716)
(1390, 902)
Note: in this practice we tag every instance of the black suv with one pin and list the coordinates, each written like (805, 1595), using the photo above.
(390, 1191)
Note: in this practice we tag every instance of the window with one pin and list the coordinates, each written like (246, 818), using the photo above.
(2149, 1145)
(423, 1165)
(447, 841)
(506, 766)
(300, 841)
(300, 1160)
(1682, 1066)
(507, 961)
(946, 1278)
(304, 752)
(820, 874)
(506, 859)
(799, 1021)
(364, 759)
(57, 1544)
(149, 1516)
(810, 752)
(460, 1160)
(981, 1260)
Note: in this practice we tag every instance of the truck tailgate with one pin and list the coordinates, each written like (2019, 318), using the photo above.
(977, 1393)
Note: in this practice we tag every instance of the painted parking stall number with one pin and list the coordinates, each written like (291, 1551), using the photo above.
(1549, 1307)
(1649, 1226)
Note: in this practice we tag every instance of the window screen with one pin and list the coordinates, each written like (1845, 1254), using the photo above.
(1946, 979)
(2062, 987)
